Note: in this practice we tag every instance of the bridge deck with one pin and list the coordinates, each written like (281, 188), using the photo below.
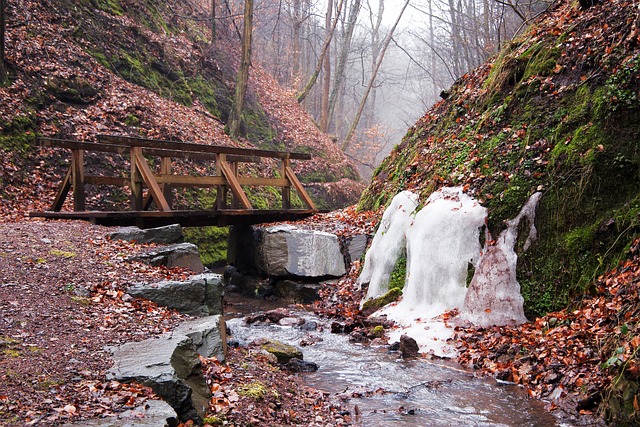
(148, 219)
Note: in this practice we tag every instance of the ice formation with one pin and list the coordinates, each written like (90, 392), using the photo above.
(442, 241)
(388, 244)
(494, 296)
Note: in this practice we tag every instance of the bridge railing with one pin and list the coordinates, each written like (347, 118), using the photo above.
(160, 183)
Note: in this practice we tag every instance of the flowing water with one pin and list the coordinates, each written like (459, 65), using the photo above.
(398, 392)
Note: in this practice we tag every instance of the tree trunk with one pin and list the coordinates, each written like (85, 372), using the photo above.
(326, 86)
(339, 79)
(374, 74)
(297, 23)
(3, 69)
(213, 22)
(243, 72)
(325, 48)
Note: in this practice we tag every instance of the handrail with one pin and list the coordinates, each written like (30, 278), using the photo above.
(160, 184)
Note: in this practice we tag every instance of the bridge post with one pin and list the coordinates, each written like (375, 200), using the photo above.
(286, 190)
(165, 169)
(136, 181)
(221, 190)
(77, 179)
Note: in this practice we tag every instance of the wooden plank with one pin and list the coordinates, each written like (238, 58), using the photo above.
(150, 180)
(190, 146)
(77, 179)
(209, 181)
(299, 188)
(63, 190)
(165, 168)
(234, 184)
(124, 149)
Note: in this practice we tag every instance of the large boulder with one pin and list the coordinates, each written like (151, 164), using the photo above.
(183, 255)
(201, 295)
(297, 292)
(164, 235)
(170, 364)
(288, 251)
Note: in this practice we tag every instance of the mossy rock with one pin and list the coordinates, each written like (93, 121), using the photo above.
(283, 352)
(373, 304)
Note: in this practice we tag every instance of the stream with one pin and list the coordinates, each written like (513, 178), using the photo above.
(390, 391)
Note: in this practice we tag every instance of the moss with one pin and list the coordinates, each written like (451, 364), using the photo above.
(376, 332)
(212, 243)
(399, 273)
(255, 390)
(376, 303)
(9, 352)
(62, 254)
(110, 6)
(214, 420)
(283, 352)
(19, 134)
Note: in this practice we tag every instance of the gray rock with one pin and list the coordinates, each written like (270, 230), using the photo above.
(296, 292)
(283, 352)
(153, 413)
(167, 234)
(356, 246)
(201, 295)
(184, 255)
(409, 347)
(170, 364)
(287, 251)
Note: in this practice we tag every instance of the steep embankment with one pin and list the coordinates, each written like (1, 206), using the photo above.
(83, 67)
(556, 111)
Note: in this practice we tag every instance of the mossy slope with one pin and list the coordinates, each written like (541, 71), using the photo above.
(556, 111)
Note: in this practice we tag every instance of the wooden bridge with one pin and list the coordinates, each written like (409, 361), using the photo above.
(232, 206)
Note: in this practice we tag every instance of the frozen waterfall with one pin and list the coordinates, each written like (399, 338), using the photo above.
(442, 242)
(388, 244)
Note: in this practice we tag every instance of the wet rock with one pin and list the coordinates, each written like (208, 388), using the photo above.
(310, 325)
(409, 347)
(394, 346)
(297, 292)
(272, 316)
(283, 352)
(184, 255)
(290, 321)
(356, 246)
(298, 365)
(164, 235)
(153, 413)
(358, 337)
(170, 364)
(201, 295)
(288, 251)
(337, 328)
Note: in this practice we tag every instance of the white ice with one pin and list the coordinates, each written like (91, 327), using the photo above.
(388, 243)
(442, 241)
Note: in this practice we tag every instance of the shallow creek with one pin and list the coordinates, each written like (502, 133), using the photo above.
(395, 392)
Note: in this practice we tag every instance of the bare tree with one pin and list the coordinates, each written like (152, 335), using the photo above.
(243, 72)
(3, 68)
(325, 48)
(372, 79)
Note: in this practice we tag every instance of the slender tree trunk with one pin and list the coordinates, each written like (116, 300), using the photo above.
(339, 79)
(385, 45)
(375, 51)
(213, 22)
(3, 69)
(325, 48)
(243, 72)
(297, 23)
(326, 84)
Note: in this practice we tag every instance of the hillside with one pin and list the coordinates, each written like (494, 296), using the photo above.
(79, 68)
(555, 111)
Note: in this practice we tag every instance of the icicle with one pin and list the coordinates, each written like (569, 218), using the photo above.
(494, 296)
(388, 244)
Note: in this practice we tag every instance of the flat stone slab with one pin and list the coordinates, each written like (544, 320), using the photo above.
(170, 364)
(201, 295)
(154, 413)
(184, 255)
(167, 234)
